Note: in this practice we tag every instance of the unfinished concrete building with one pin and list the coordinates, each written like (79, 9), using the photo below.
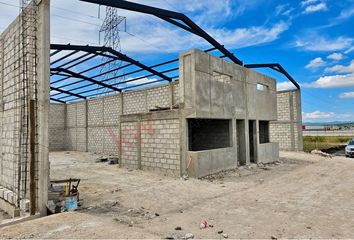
(205, 115)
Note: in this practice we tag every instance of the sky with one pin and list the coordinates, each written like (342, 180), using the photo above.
(312, 39)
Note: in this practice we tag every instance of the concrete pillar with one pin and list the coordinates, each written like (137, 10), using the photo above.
(120, 129)
(247, 140)
(170, 87)
(86, 124)
(299, 120)
(233, 130)
(292, 121)
(43, 71)
(183, 144)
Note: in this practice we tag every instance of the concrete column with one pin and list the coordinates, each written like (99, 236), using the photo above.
(138, 142)
(300, 143)
(170, 87)
(292, 121)
(183, 126)
(256, 140)
(86, 124)
(1, 104)
(43, 78)
(120, 129)
(247, 140)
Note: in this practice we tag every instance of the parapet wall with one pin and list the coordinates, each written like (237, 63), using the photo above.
(287, 130)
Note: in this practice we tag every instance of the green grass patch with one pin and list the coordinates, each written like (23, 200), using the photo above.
(323, 142)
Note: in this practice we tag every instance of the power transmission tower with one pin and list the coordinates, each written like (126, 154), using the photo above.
(111, 38)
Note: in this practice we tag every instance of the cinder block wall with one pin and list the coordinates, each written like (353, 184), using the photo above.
(287, 130)
(14, 138)
(57, 141)
(94, 125)
(151, 141)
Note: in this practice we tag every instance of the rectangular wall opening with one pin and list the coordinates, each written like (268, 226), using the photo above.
(241, 142)
(252, 140)
(263, 132)
(206, 134)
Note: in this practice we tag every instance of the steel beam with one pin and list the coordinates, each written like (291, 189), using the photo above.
(57, 100)
(277, 67)
(76, 75)
(67, 92)
(118, 55)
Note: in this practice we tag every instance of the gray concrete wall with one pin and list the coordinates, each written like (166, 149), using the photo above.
(15, 148)
(287, 130)
(212, 88)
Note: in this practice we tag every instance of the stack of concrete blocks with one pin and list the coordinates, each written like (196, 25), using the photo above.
(12, 127)
(287, 130)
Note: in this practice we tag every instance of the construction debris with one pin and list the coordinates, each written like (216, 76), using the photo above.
(189, 236)
(63, 195)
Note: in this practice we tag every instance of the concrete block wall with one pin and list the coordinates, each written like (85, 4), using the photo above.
(151, 141)
(101, 122)
(130, 144)
(57, 135)
(160, 146)
(14, 131)
(287, 130)
(10, 107)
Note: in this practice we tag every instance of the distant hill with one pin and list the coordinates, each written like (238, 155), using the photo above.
(337, 123)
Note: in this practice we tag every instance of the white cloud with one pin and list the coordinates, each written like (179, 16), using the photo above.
(244, 37)
(335, 56)
(144, 80)
(282, 86)
(316, 63)
(317, 115)
(342, 68)
(150, 33)
(284, 10)
(346, 79)
(307, 2)
(314, 42)
(349, 50)
(347, 95)
(334, 81)
(315, 8)
(346, 13)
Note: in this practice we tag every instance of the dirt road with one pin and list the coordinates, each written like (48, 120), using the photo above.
(305, 196)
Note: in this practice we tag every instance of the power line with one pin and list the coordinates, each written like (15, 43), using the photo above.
(8, 4)
(75, 19)
(68, 10)
(71, 39)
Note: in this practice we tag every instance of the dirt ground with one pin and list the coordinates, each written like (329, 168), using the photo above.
(303, 196)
